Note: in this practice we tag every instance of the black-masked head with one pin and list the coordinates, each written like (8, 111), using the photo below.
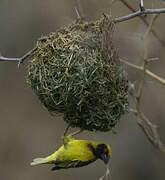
(103, 152)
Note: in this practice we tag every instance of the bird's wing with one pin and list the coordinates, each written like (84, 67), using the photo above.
(78, 153)
(70, 164)
(77, 150)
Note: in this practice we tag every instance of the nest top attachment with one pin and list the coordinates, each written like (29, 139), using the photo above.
(76, 71)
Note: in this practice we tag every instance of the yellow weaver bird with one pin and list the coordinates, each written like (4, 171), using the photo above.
(76, 153)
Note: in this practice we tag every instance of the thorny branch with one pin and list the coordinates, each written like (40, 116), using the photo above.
(149, 129)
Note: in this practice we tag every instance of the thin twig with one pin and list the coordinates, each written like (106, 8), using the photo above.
(162, 2)
(140, 90)
(150, 26)
(76, 132)
(139, 13)
(66, 130)
(154, 138)
(77, 13)
(148, 72)
(79, 9)
(144, 21)
(19, 60)
(142, 5)
(128, 5)
(72, 134)
(145, 57)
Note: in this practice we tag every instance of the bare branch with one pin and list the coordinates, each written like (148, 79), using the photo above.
(72, 134)
(162, 2)
(144, 21)
(19, 60)
(148, 72)
(154, 137)
(140, 89)
(116, 20)
(66, 130)
(139, 13)
(145, 57)
(76, 132)
(148, 128)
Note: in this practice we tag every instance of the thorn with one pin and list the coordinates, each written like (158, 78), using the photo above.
(141, 5)
(142, 8)
(19, 62)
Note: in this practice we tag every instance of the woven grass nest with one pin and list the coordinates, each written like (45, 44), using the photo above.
(76, 71)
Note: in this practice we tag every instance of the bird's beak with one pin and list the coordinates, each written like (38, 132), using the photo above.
(105, 158)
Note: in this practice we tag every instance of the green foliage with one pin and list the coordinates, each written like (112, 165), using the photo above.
(76, 71)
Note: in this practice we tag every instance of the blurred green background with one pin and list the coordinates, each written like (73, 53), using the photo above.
(27, 130)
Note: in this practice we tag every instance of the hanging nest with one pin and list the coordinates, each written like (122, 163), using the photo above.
(76, 71)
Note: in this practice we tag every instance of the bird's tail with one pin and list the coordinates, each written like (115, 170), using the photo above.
(38, 161)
